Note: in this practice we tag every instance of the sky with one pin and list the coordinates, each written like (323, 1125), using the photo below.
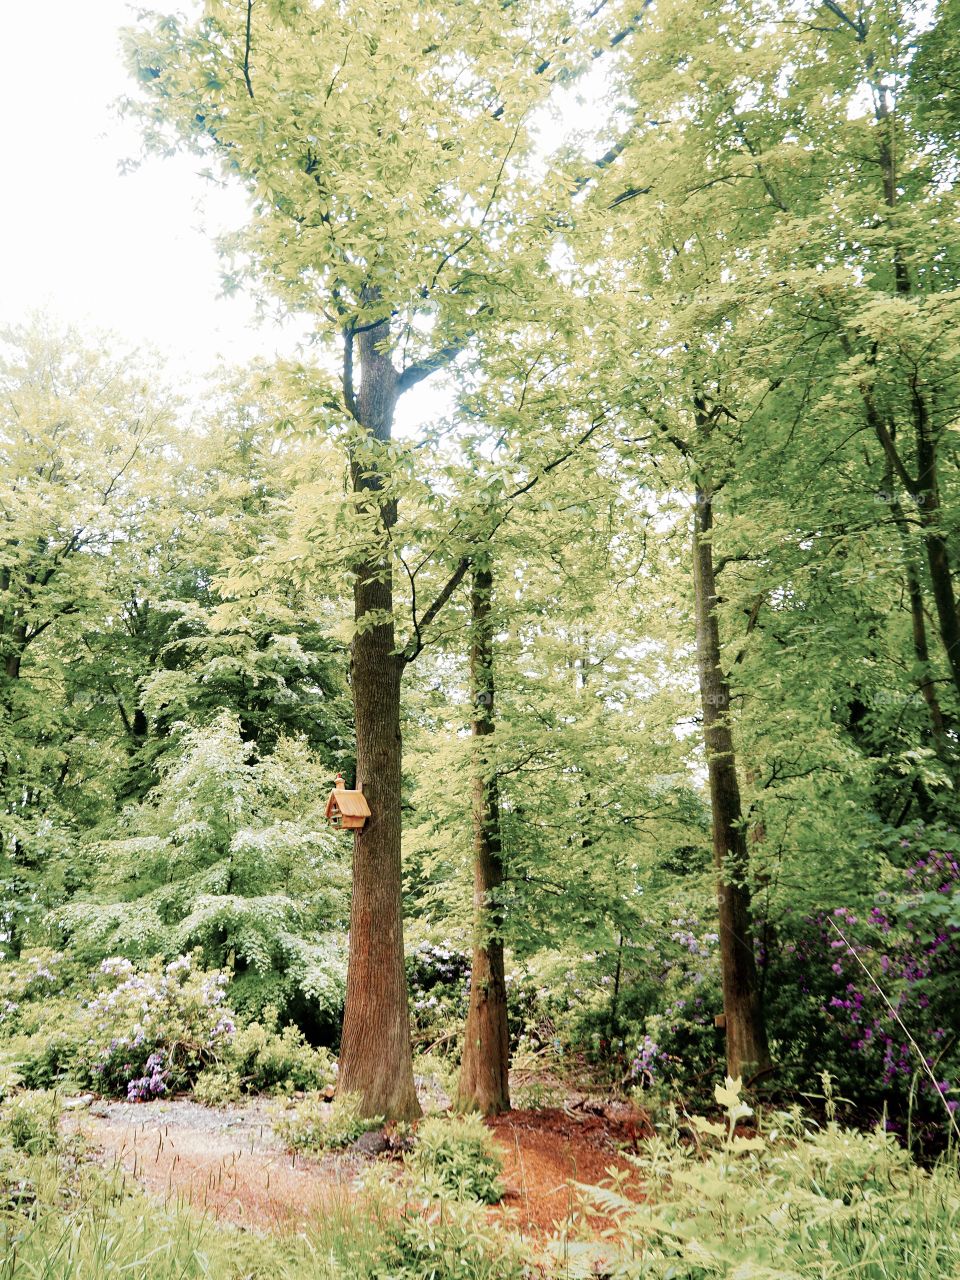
(131, 253)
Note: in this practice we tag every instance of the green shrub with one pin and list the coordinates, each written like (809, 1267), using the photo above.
(460, 1155)
(270, 1061)
(788, 1204)
(260, 1059)
(217, 1087)
(313, 1124)
(30, 1122)
(441, 1238)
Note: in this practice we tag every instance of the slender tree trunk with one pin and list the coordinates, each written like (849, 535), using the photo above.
(918, 622)
(375, 1056)
(925, 491)
(484, 1073)
(747, 1049)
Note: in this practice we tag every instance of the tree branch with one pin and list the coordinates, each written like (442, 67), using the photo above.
(415, 373)
(246, 48)
(857, 27)
(415, 647)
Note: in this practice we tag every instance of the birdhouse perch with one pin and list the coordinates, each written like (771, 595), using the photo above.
(347, 810)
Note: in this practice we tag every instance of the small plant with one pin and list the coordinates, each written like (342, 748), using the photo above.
(460, 1155)
(30, 1122)
(313, 1124)
(442, 1238)
(735, 1109)
(796, 1203)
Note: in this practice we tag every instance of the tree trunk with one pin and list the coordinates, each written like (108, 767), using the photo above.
(918, 622)
(747, 1050)
(484, 1073)
(375, 1056)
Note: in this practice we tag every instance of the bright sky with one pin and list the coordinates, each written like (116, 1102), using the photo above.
(130, 253)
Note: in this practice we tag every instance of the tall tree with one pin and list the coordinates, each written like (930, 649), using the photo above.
(406, 229)
(484, 1072)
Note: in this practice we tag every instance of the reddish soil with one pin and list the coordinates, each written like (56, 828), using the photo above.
(547, 1152)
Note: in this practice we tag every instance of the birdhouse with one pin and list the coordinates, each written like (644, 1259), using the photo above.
(347, 810)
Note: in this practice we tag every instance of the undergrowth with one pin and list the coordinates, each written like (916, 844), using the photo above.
(791, 1202)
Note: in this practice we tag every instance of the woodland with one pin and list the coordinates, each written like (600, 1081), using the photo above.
(532, 713)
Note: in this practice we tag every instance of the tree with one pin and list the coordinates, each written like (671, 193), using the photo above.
(484, 1073)
(80, 429)
(228, 853)
(407, 230)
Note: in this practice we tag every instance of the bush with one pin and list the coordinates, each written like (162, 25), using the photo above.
(460, 1155)
(260, 1059)
(443, 1239)
(270, 1061)
(314, 1124)
(785, 1203)
(827, 1012)
(30, 1122)
(147, 1033)
(26, 985)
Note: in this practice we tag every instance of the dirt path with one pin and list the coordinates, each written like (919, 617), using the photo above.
(228, 1161)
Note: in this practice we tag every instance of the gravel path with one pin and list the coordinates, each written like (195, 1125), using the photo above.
(225, 1161)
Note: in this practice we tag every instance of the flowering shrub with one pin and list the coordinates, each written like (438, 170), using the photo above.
(911, 947)
(145, 1033)
(438, 975)
(26, 984)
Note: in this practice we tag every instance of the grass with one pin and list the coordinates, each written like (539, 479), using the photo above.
(790, 1202)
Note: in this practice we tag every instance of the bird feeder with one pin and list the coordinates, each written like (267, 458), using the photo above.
(346, 810)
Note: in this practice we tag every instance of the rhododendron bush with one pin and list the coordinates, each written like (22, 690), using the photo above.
(152, 1030)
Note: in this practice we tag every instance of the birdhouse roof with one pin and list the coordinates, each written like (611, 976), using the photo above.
(352, 804)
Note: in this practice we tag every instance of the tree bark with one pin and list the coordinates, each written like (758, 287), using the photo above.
(747, 1049)
(484, 1073)
(375, 1056)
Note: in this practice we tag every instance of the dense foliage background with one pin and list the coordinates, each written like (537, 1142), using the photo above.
(739, 282)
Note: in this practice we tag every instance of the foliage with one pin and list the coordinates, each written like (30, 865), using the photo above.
(146, 1033)
(791, 1202)
(30, 1122)
(227, 854)
(442, 1238)
(314, 1124)
(459, 1155)
(259, 1058)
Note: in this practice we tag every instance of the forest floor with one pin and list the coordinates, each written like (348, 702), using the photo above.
(228, 1161)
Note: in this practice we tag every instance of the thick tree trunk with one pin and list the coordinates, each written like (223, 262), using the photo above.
(375, 1055)
(484, 1083)
(747, 1049)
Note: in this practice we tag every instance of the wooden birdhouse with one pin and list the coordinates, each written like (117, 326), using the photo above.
(346, 809)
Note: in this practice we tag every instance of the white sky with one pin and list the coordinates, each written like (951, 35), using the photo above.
(130, 253)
